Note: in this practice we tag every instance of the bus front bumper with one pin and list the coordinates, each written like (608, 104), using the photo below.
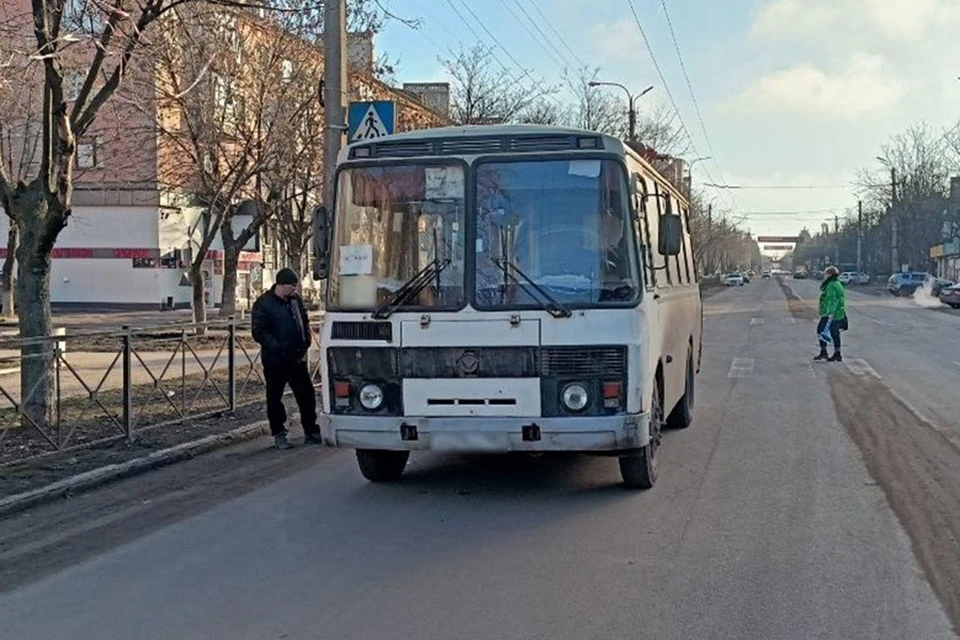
(487, 434)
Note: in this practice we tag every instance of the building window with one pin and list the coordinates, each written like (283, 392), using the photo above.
(86, 155)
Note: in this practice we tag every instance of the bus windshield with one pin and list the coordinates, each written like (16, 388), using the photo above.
(394, 225)
(564, 224)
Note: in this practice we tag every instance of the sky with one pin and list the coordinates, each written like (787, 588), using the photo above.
(797, 93)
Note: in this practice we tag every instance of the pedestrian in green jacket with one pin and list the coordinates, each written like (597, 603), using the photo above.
(833, 313)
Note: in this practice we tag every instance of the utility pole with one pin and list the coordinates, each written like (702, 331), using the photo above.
(859, 236)
(894, 223)
(335, 86)
(836, 240)
(710, 227)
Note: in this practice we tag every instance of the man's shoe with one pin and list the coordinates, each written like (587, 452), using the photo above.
(313, 438)
(821, 357)
(281, 442)
(836, 357)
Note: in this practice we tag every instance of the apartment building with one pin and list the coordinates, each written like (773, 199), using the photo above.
(138, 214)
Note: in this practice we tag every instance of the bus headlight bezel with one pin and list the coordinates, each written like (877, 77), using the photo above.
(569, 394)
(371, 396)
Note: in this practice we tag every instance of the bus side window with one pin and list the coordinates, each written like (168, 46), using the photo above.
(685, 272)
(643, 232)
(688, 247)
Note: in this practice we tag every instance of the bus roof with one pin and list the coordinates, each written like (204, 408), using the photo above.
(475, 132)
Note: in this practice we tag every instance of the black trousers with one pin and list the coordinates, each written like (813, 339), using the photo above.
(297, 375)
(835, 328)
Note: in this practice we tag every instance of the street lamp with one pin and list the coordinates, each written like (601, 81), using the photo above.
(631, 102)
(689, 179)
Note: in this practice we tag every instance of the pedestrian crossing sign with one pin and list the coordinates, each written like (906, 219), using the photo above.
(368, 120)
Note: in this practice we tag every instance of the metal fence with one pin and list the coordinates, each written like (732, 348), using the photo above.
(108, 386)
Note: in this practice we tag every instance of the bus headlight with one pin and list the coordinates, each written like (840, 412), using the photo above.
(575, 397)
(371, 397)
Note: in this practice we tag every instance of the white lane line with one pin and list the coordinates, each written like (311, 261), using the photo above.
(788, 321)
(860, 367)
(813, 374)
(741, 368)
(756, 321)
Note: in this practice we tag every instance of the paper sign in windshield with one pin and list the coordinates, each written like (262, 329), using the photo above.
(356, 260)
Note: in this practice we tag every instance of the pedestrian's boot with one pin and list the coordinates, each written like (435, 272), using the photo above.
(823, 355)
(281, 442)
(836, 357)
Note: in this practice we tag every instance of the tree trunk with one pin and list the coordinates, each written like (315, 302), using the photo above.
(199, 304)
(33, 310)
(7, 299)
(231, 260)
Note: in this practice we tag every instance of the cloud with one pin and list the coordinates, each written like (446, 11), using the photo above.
(864, 85)
(614, 40)
(839, 20)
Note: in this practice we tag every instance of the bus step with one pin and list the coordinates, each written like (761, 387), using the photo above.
(409, 432)
(531, 433)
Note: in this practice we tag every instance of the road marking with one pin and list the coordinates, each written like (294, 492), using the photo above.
(860, 367)
(813, 373)
(741, 368)
(756, 321)
(788, 321)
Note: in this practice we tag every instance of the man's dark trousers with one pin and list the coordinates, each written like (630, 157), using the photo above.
(296, 374)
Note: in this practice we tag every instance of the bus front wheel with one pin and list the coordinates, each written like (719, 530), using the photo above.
(639, 468)
(382, 466)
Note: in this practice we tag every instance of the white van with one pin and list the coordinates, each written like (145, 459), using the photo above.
(505, 288)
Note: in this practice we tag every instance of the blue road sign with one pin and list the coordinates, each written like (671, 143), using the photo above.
(368, 120)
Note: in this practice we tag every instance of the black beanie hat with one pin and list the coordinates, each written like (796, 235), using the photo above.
(287, 276)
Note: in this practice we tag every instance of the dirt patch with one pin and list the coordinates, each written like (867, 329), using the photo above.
(919, 471)
(799, 308)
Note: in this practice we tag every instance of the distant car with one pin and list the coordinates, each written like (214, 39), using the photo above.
(799, 275)
(752, 273)
(765, 275)
(746, 278)
(733, 280)
(905, 284)
(951, 296)
(848, 277)
(862, 278)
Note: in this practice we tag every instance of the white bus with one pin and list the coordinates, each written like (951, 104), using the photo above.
(501, 289)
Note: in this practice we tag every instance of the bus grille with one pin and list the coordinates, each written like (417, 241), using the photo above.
(583, 362)
(362, 331)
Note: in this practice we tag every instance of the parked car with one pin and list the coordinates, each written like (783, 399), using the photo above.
(733, 280)
(901, 284)
(765, 275)
(951, 296)
(847, 277)
(799, 275)
(863, 278)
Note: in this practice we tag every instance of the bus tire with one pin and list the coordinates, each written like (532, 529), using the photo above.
(382, 466)
(682, 415)
(639, 468)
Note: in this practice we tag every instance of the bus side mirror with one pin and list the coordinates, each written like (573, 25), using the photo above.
(671, 234)
(321, 243)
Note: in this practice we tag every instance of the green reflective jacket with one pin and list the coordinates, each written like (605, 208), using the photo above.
(833, 299)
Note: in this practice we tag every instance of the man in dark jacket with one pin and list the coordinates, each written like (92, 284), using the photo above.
(282, 329)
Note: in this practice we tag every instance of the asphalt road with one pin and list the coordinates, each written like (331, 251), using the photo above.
(782, 513)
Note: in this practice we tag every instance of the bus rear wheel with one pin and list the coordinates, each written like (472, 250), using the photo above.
(378, 465)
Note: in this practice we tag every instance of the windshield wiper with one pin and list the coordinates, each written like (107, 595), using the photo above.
(410, 289)
(550, 305)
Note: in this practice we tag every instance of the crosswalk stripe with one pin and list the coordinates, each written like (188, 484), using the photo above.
(860, 367)
(741, 368)
(788, 321)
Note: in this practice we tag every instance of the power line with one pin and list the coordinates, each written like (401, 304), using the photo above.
(560, 37)
(693, 96)
(776, 187)
(561, 63)
(666, 88)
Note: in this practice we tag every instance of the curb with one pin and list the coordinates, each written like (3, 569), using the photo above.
(109, 473)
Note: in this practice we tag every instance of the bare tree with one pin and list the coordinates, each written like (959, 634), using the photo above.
(482, 93)
(660, 130)
(596, 108)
